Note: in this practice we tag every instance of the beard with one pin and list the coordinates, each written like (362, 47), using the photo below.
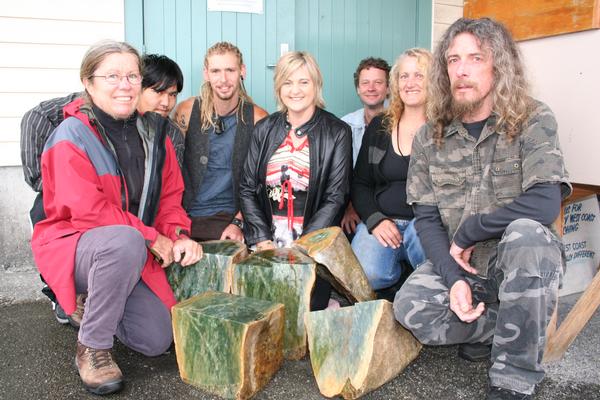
(461, 107)
(225, 97)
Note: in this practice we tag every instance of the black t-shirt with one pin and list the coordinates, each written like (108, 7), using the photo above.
(392, 200)
(475, 128)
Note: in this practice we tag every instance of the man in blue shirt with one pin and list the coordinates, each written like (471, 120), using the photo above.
(217, 126)
(371, 80)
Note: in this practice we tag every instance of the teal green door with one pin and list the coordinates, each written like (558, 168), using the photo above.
(184, 29)
(339, 33)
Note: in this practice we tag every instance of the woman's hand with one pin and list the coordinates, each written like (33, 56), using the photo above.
(387, 234)
(350, 219)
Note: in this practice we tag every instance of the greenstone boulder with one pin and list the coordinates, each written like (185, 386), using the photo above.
(212, 272)
(285, 276)
(228, 345)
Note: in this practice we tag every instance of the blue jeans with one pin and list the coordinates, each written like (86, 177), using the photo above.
(382, 265)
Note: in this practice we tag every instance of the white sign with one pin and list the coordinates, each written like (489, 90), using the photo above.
(242, 6)
(581, 237)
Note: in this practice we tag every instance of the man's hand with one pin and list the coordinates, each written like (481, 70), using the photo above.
(350, 219)
(387, 234)
(186, 251)
(462, 257)
(232, 232)
(163, 248)
(461, 302)
(265, 245)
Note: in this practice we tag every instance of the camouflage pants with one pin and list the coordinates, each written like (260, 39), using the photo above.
(520, 296)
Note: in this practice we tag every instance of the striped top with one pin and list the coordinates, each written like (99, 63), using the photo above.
(287, 180)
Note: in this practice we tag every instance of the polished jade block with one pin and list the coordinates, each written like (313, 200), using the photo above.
(354, 350)
(213, 272)
(336, 262)
(228, 345)
(284, 276)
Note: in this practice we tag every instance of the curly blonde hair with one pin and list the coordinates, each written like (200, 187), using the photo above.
(393, 113)
(511, 101)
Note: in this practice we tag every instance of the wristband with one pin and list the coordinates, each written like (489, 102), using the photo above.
(237, 222)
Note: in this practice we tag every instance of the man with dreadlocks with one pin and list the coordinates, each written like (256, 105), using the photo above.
(217, 126)
(486, 180)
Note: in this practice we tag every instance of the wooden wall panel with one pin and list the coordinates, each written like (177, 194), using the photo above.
(538, 18)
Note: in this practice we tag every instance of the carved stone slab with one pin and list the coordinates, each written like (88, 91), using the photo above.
(213, 272)
(283, 276)
(330, 248)
(228, 345)
(354, 350)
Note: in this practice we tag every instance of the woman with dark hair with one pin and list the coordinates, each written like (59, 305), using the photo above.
(112, 198)
(387, 236)
(297, 174)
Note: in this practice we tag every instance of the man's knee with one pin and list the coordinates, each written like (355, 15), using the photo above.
(530, 245)
(527, 232)
(127, 243)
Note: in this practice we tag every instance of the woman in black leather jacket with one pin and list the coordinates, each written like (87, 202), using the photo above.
(298, 169)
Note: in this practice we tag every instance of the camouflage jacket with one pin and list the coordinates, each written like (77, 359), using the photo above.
(465, 176)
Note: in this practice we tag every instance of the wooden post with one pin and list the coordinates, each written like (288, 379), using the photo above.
(574, 322)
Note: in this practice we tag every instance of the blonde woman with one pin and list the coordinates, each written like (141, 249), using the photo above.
(297, 174)
(387, 236)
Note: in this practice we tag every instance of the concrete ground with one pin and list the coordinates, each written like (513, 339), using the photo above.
(37, 353)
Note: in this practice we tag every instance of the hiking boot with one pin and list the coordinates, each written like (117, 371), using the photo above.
(99, 373)
(498, 393)
(60, 314)
(77, 316)
(475, 352)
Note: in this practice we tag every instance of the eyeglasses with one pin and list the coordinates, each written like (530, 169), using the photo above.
(115, 79)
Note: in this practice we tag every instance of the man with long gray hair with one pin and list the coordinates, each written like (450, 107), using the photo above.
(486, 180)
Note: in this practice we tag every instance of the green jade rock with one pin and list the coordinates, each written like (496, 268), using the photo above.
(284, 276)
(228, 345)
(214, 271)
(354, 350)
(337, 263)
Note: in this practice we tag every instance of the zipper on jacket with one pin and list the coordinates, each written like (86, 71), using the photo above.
(109, 146)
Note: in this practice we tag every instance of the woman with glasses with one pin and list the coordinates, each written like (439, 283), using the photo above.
(387, 235)
(297, 174)
(112, 198)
